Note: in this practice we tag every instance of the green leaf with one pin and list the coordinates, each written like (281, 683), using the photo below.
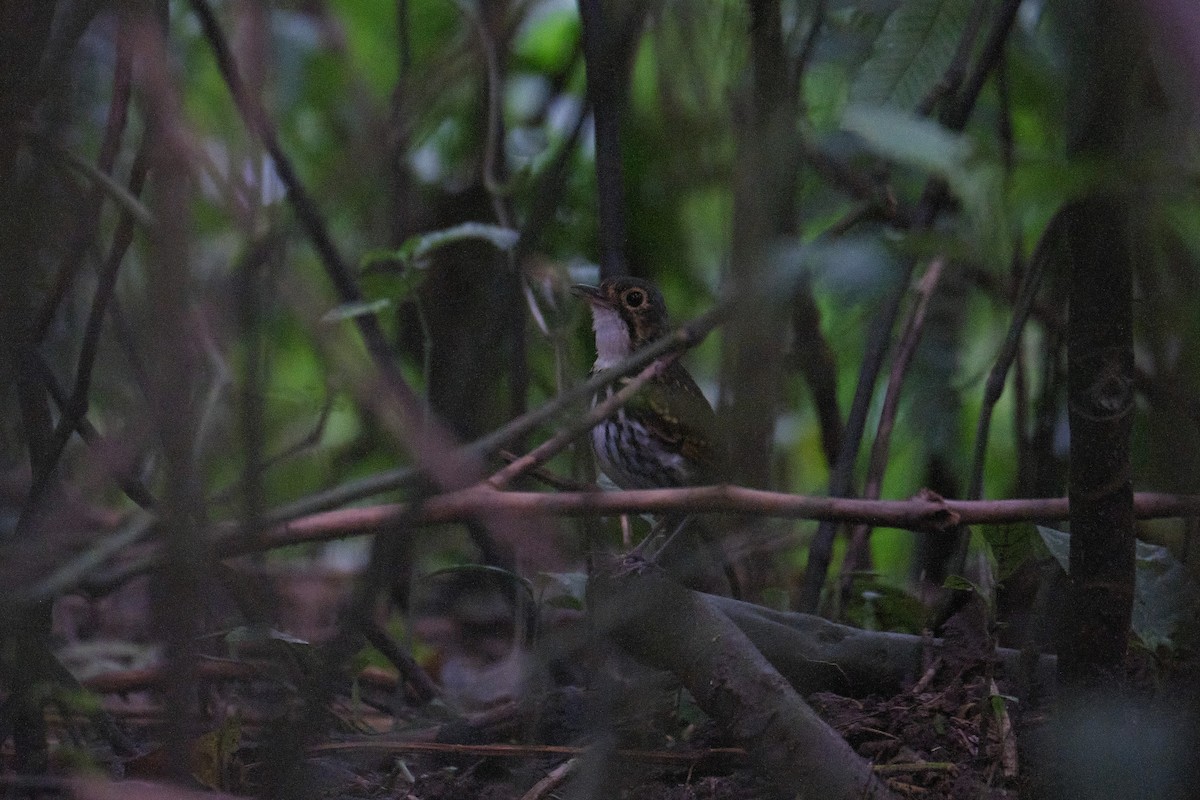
(392, 276)
(961, 584)
(547, 44)
(1013, 545)
(875, 605)
(912, 52)
(856, 270)
(1162, 595)
(924, 144)
(359, 308)
(1059, 545)
(564, 589)
(908, 139)
(999, 703)
(419, 246)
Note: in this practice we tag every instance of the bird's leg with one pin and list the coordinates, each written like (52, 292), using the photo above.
(626, 531)
(680, 551)
(665, 530)
(674, 525)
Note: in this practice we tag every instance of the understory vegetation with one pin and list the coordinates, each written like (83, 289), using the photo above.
(297, 497)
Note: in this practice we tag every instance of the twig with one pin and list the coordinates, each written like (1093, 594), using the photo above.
(800, 65)
(905, 350)
(604, 56)
(172, 380)
(304, 442)
(952, 78)
(813, 356)
(1008, 351)
(130, 484)
(493, 154)
(915, 766)
(601, 411)
(907, 347)
(526, 750)
(114, 129)
(77, 404)
(553, 480)
(123, 198)
(555, 778)
(339, 272)
(69, 575)
(549, 189)
(958, 111)
(820, 551)
(423, 687)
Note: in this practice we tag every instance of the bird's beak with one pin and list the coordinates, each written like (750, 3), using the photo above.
(590, 293)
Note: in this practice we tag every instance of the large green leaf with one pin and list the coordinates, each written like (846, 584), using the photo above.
(912, 53)
(924, 144)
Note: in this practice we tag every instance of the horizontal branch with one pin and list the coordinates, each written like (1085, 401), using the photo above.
(926, 512)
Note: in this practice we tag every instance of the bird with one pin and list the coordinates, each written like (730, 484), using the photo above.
(666, 436)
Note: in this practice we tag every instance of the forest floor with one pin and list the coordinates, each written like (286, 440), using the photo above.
(955, 732)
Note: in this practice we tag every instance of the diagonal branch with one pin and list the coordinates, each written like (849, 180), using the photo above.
(559, 441)
(856, 556)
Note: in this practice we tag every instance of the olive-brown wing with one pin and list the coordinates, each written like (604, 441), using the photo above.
(679, 416)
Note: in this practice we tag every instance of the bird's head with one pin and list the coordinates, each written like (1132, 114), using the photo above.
(627, 313)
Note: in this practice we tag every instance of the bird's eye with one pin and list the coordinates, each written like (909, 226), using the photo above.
(635, 298)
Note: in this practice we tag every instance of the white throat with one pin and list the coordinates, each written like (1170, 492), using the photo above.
(612, 337)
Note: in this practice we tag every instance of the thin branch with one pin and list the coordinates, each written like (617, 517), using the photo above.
(800, 65)
(548, 478)
(841, 478)
(813, 356)
(952, 79)
(120, 195)
(69, 575)
(77, 405)
(114, 130)
(554, 779)
(559, 441)
(960, 109)
(905, 350)
(422, 687)
(403, 39)
(606, 46)
(433, 447)
(130, 484)
(548, 191)
(998, 375)
(493, 155)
